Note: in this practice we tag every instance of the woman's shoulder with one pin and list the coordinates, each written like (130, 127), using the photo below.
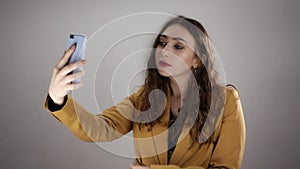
(137, 92)
(137, 95)
(233, 105)
(225, 95)
(232, 91)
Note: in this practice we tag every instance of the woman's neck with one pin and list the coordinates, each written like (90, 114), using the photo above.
(179, 87)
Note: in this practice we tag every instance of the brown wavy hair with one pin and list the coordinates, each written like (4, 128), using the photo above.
(199, 100)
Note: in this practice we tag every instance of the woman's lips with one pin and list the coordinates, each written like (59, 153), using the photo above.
(163, 64)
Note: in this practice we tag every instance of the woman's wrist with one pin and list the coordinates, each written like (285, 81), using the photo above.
(58, 101)
(52, 106)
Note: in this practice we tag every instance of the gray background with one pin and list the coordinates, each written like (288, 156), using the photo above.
(258, 42)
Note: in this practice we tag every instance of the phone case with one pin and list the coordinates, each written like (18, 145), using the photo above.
(80, 41)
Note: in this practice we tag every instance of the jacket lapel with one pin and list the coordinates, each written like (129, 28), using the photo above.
(181, 148)
(160, 135)
(160, 139)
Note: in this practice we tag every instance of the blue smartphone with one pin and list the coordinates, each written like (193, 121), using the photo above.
(80, 42)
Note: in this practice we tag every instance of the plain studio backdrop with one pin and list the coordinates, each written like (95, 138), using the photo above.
(257, 41)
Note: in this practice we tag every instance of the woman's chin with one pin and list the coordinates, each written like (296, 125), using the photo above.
(163, 73)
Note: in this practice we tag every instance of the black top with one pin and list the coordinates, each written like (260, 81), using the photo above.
(53, 106)
(174, 133)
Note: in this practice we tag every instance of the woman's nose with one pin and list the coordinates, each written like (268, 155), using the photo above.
(166, 52)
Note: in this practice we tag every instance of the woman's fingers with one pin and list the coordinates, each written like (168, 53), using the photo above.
(74, 86)
(74, 76)
(63, 61)
(69, 68)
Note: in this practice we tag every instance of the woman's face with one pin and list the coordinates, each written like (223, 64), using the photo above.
(174, 54)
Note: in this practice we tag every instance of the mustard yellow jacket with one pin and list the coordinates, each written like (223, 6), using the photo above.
(224, 150)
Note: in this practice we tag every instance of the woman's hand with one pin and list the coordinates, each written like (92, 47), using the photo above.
(61, 81)
(139, 167)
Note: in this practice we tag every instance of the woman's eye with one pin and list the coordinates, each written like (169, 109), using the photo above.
(161, 43)
(178, 47)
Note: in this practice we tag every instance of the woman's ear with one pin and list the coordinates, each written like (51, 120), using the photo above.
(196, 62)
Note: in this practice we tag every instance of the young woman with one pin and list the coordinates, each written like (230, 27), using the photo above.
(197, 123)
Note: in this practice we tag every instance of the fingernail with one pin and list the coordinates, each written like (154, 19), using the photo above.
(73, 46)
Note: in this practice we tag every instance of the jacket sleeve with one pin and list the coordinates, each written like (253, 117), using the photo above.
(229, 147)
(111, 124)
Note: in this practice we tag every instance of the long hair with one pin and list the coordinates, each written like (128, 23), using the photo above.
(206, 77)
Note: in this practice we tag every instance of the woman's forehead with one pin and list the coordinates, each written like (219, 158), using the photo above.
(179, 32)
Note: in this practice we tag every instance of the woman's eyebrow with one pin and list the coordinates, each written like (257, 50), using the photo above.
(176, 38)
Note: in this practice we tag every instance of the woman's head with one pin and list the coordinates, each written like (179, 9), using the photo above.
(182, 43)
